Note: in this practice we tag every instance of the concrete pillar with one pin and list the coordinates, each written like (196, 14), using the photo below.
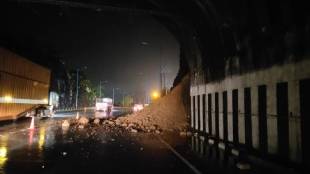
(241, 121)
(201, 113)
(207, 115)
(272, 129)
(229, 115)
(206, 112)
(213, 114)
(255, 126)
(192, 106)
(202, 91)
(196, 112)
(192, 111)
(294, 121)
(221, 126)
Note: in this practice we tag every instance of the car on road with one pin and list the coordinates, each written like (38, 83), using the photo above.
(104, 104)
(138, 107)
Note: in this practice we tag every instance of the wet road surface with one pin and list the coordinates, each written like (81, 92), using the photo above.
(50, 148)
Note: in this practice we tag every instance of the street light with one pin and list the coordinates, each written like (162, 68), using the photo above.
(77, 86)
(162, 73)
(114, 93)
(155, 95)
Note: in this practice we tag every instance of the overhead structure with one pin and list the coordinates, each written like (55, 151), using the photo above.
(249, 68)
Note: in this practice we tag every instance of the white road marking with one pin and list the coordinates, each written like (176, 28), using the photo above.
(185, 161)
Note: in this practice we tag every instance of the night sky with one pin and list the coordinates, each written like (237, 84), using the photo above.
(108, 43)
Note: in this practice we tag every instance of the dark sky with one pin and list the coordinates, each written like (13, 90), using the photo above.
(108, 43)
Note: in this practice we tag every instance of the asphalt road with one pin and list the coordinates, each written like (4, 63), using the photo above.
(50, 148)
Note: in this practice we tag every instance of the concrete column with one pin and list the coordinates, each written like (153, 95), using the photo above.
(272, 126)
(241, 120)
(201, 112)
(255, 128)
(192, 112)
(221, 126)
(213, 113)
(294, 121)
(229, 115)
(207, 116)
(202, 91)
(196, 112)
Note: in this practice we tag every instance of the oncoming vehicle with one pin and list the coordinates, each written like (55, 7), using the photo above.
(138, 107)
(104, 104)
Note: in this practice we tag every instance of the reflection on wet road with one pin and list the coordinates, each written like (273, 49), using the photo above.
(51, 148)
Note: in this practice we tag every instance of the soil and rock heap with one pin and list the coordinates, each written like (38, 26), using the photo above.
(166, 114)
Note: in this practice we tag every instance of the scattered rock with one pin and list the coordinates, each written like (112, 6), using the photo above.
(243, 166)
(153, 128)
(111, 123)
(124, 125)
(134, 131)
(65, 124)
(183, 134)
(118, 122)
(97, 121)
(157, 132)
(131, 125)
(81, 127)
(83, 120)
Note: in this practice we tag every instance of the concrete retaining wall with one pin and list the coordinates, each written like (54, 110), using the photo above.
(263, 122)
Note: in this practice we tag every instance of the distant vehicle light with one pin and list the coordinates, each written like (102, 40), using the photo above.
(104, 104)
(8, 99)
(138, 107)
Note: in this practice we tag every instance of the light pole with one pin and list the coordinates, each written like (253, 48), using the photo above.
(162, 73)
(77, 87)
(114, 94)
(100, 89)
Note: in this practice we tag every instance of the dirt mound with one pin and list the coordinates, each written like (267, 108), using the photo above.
(168, 113)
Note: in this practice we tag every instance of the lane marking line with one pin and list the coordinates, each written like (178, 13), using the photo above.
(185, 161)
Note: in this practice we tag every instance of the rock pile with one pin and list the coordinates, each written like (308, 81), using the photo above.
(166, 114)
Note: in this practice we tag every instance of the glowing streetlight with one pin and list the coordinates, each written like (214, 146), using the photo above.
(155, 95)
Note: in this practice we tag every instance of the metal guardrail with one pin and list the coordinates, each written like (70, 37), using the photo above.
(85, 109)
